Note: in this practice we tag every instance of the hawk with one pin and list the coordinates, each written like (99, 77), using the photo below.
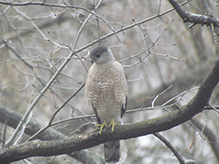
(106, 90)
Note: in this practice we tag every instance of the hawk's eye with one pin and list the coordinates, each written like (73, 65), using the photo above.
(97, 55)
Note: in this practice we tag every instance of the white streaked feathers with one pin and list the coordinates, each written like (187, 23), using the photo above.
(106, 90)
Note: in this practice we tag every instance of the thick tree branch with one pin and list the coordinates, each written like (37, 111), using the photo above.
(194, 18)
(13, 118)
(76, 143)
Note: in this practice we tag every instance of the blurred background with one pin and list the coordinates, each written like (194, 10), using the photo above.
(164, 60)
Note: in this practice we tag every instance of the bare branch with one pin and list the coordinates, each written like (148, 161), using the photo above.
(33, 126)
(194, 18)
(51, 120)
(170, 146)
(24, 119)
(210, 136)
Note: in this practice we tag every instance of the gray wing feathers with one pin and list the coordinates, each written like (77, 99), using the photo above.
(111, 151)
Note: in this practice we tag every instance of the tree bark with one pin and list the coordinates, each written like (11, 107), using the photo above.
(13, 118)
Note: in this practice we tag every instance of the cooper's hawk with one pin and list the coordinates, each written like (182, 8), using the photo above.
(106, 90)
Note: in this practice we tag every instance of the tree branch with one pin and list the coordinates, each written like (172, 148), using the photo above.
(13, 118)
(170, 146)
(186, 80)
(194, 18)
(211, 137)
(151, 126)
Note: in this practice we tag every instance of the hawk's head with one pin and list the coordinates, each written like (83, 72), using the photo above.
(101, 55)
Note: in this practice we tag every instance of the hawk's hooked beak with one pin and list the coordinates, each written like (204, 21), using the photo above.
(93, 60)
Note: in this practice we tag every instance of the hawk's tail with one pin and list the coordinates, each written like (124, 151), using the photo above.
(111, 151)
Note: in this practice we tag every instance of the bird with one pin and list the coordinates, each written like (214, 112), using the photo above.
(106, 91)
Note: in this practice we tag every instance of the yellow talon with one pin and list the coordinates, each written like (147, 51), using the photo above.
(113, 124)
(101, 126)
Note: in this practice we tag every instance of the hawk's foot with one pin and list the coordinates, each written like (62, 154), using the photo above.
(101, 126)
(113, 124)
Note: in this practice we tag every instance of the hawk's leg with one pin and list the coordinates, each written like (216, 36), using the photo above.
(113, 124)
(101, 126)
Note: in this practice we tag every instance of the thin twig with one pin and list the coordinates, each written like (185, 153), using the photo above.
(170, 146)
(53, 116)
(153, 102)
(4, 133)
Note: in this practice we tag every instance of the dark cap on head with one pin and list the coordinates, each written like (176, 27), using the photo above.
(96, 52)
